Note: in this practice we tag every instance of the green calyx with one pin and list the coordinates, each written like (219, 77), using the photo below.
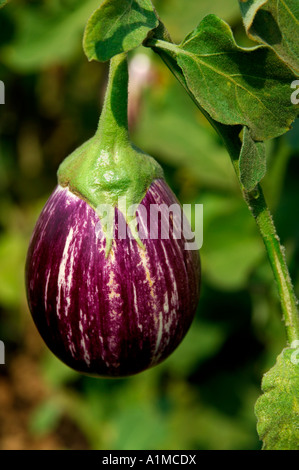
(107, 168)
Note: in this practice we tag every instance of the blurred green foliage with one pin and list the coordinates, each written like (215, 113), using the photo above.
(203, 396)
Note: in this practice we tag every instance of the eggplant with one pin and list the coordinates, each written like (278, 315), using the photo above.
(112, 299)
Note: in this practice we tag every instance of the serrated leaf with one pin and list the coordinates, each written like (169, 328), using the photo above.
(275, 23)
(277, 409)
(235, 85)
(252, 162)
(117, 27)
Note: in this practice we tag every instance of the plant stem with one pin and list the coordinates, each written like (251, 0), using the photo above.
(255, 200)
(258, 207)
(113, 123)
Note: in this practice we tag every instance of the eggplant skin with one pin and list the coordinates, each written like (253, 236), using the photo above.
(109, 316)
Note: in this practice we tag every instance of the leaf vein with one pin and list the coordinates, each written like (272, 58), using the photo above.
(289, 11)
(119, 19)
(194, 57)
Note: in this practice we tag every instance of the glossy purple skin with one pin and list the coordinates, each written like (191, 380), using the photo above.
(114, 316)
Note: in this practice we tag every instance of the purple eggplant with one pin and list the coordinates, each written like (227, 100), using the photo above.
(111, 298)
(116, 315)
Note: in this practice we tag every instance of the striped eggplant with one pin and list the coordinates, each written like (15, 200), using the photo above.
(111, 306)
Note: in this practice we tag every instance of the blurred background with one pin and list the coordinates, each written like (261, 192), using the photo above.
(203, 396)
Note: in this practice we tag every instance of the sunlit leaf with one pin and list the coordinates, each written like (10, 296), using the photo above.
(235, 85)
(117, 27)
(275, 23)
(277, 409)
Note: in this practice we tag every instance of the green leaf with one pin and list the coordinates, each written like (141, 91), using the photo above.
(252, 162)
(235, 85)
(117, 27)
(275, 23)
(249, 8)
(277, 409)
(2, 3)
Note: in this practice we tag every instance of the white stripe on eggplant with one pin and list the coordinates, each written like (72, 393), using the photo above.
(71, 345)
(156, 356)
(174, 295)
(46, 290)
(86, 356)
(62, 269)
